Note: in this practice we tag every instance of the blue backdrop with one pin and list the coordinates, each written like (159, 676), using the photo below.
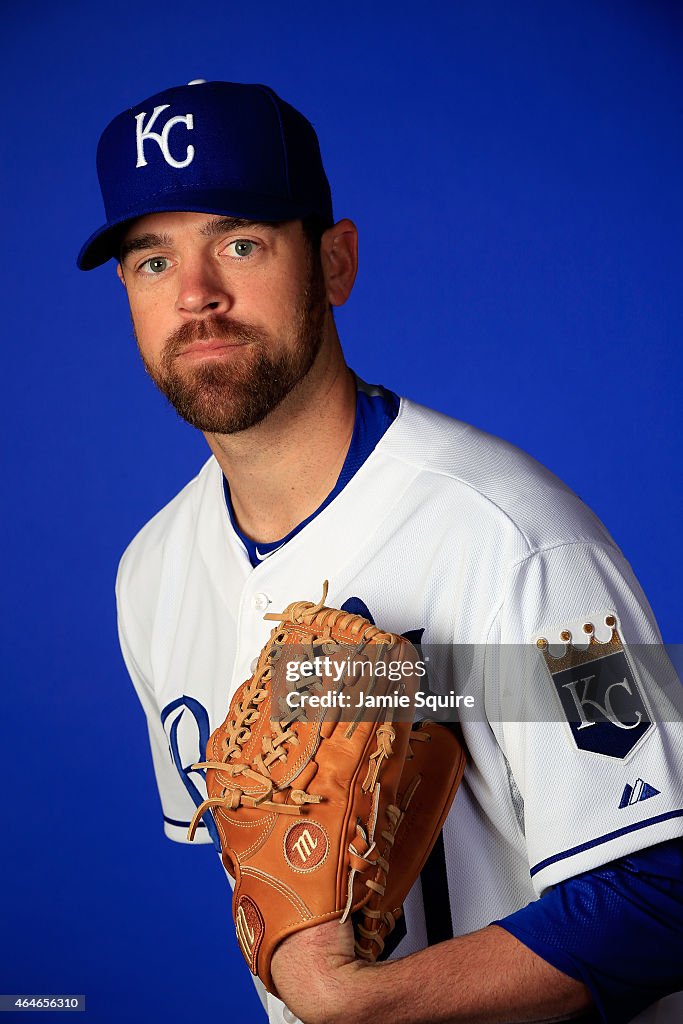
(514, 170)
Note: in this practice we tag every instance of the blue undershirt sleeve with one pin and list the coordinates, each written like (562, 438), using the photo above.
(618, 929)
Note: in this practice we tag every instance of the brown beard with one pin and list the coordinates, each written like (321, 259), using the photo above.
(225, 397)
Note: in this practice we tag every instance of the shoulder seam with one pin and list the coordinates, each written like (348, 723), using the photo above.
(464, 483)
(532, 551)
(565, 544)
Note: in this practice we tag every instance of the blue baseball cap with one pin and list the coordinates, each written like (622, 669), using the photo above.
(207, 147)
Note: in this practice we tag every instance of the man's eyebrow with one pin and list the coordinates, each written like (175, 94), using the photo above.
(142, 242)
(219, 225)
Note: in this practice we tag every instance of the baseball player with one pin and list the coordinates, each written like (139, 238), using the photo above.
(557, 886)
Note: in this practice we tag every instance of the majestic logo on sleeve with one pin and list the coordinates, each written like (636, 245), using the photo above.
(144, 133)
(597, 686)
(634, 794)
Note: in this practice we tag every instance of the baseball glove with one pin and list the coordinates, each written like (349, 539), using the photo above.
(311, 779)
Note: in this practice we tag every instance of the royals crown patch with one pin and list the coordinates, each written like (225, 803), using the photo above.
(596, 684)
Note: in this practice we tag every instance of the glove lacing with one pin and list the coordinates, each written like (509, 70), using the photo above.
(274, 747)
(385, 921)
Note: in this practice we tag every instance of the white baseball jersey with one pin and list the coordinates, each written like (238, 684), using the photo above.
(451, 531)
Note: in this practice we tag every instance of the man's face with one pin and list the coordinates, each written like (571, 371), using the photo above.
(228, 315)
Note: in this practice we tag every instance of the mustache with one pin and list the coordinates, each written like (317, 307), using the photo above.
(236, 331)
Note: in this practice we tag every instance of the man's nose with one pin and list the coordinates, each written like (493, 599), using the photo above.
(202, 290)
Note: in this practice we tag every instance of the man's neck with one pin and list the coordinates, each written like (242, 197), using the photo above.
(281, 470)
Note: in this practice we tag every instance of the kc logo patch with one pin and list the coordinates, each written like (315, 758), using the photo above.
(143, 132)
(597, 686)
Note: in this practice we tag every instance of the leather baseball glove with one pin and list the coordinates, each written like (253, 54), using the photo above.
(314, 776)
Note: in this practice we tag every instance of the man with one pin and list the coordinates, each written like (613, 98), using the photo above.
(219, 212)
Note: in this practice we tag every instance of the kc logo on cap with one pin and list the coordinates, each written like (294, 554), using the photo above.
(144, 132)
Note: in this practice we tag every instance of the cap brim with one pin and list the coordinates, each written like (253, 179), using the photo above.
(104, 243)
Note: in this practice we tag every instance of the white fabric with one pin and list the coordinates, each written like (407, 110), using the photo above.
(457, 532)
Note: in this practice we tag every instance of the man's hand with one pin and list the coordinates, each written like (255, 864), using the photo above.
(316, 972)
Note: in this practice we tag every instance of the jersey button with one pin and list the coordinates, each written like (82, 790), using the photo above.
(260, 602)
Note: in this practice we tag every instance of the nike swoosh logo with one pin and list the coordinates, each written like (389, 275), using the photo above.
(262, 558)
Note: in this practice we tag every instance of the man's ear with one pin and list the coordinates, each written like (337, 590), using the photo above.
(119, 271)
(339, 256)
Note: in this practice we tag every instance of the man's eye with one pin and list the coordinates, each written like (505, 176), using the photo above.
(241, 247)
(155, 265)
